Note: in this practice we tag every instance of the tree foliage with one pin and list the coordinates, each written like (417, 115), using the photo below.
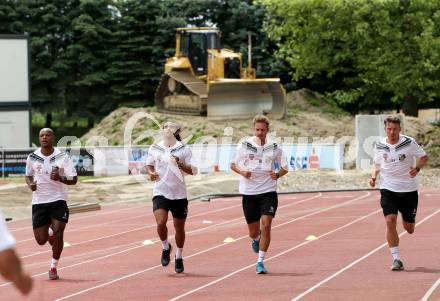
(372, 52)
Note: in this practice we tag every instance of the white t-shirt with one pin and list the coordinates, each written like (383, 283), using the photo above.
(395, 161)
(6, 240)
(40, 167)
(171, 182)
(259, 160)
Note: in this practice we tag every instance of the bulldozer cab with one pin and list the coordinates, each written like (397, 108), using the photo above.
(195, 44)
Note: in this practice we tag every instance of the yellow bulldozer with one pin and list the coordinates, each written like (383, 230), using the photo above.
(203, 79)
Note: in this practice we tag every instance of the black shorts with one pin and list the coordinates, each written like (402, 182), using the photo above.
(42, 214)
(403, 202)
(178, 208)
(254, 206)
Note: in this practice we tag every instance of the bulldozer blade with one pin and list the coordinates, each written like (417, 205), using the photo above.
(246, 98)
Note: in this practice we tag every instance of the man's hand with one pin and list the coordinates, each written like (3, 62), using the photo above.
(154, 176)
(372, 182)
(414, 171)
(33, 186)
(246, 173)
(55, 174)
(274, 175)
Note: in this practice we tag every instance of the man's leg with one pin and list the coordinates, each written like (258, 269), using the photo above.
(393, 241)
(409, 227)
(161, 216)
(391, 233)
(254, 230)
(41, 234)
(58, 238)
(179, 225)
(266, 226)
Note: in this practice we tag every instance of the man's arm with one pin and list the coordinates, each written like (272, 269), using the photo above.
(11, 270)
(245, 173)
(374, 173)
(419, 165)
(31, 183)
(276, 175)
(152, 173)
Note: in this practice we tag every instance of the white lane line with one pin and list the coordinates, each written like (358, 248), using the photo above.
(190, 232)
(90, 215)
(125, 232)
(219, 246)
(273, 257)
(431, 290)
(355, 262)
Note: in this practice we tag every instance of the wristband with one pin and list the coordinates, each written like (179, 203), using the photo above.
(417, 168)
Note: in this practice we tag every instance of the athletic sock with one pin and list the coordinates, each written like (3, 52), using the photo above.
(179, 253)
(261, 255)
(165, 244)
(53, 263)
(50, 231)
(395, 253)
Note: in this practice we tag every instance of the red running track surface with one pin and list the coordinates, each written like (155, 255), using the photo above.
(107, 260)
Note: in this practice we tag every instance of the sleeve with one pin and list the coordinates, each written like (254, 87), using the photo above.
(281, 159)
(417, 150)
(239, 155)
(188, 156)
(69, 167)
(29, 167)
(6, 240)
(150, 158)
(377, 157)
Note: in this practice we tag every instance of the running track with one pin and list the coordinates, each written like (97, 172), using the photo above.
(106, 259)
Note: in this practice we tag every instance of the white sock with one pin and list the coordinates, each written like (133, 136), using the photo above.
(54, 263)
(261, 255)
(50, 231)
(256, 238)
(179, 253)
(395, 253)
(165, 244)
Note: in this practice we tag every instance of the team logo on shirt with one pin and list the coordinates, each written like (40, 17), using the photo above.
(402, 157)
(251, 156)
(39, 168)
(385, 157)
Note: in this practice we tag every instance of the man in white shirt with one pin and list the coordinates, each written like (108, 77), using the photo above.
(48, 171)
(395, 158)
(260, 163)
(167, 163)
(10, 265)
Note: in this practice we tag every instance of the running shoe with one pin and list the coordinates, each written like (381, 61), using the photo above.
(260, 269)
(165, 259)
(178, 268)
(53, 274)
(397, 265)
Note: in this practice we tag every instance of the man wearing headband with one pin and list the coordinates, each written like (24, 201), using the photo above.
(167, 163)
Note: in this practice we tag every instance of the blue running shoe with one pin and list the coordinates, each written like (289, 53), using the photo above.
(260, 268)
(255, 245)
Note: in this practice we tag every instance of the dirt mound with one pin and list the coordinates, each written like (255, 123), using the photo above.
(308, 117)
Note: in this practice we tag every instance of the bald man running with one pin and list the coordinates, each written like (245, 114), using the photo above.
(48, 171)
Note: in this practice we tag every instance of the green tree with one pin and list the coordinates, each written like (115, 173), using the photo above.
(370, 51)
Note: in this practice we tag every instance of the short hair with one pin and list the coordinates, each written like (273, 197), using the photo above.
(392, 119)
(261, 118)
